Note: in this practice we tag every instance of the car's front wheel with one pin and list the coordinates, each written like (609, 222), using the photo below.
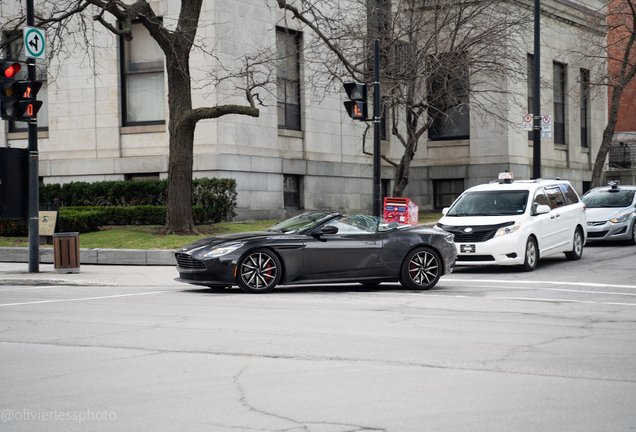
(421, 269)
(258, 271)
(633, 239)
(532, 255)
(577, 246)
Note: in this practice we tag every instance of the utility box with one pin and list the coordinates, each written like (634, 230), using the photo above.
(400, 210)
(66, 253)
(14, 183)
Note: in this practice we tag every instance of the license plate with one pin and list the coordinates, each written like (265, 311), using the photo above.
(467, 248)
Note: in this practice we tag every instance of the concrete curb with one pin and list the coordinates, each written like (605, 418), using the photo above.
(36, 281)
(95, 256)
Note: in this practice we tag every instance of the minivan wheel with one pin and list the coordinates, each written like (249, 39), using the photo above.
(577, 246)
(531, 255)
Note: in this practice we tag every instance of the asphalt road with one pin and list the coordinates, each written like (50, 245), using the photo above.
(489, 349)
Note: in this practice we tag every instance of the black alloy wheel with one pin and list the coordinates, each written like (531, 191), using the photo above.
(531, 255)
(632, 240)
(577, 246)
(421, 269)
(259, 271)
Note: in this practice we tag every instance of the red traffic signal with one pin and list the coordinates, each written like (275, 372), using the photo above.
(17, 100)
(8, 68)
(357, 106)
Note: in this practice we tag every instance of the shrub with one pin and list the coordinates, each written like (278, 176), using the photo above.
(86, 219)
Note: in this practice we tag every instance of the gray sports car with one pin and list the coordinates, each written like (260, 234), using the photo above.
(320, 247)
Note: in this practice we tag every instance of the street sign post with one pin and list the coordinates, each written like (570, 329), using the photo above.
(526, 123)
(34, 42)
(546, 126)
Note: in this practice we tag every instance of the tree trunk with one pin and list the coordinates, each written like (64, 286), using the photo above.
(179, 218)
(608, 134)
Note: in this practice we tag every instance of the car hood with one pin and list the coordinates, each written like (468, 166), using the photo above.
(223, 238)
(477, 220)
(604, 213)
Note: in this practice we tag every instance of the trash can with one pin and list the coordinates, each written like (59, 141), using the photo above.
(400, 210)
(66, 256)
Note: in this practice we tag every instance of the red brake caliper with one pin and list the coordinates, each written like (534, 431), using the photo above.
(269, 272)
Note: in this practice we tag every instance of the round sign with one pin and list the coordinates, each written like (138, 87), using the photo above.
(34, 42)
(527, 118)
(547, 119)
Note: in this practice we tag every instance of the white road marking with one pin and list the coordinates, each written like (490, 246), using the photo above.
(532, 299)
(599, 285)
(82, 299)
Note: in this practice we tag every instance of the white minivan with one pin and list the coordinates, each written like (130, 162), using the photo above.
(516, 222)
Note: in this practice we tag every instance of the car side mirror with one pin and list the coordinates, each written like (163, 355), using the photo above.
(329, 229)
(445, 210)
(542, 209)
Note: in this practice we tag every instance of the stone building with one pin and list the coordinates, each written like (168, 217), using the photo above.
(105, 119)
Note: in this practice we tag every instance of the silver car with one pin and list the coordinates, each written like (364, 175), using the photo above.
(611, 213)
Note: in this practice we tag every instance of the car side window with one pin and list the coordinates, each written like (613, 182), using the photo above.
(555, 197)
(353, 225)
(570, 195)
(539, 199)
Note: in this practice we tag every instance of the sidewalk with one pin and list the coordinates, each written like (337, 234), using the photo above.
(89, 275)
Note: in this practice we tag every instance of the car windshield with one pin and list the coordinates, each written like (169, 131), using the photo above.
(300, 223)
(362, 224)
(608, 198)
(490, 203)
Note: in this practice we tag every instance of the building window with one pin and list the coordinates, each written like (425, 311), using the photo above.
(292, 192)
(141, 176)
(386, 189)
(15, 51)
(288, 78)
(445, 192)
(143, 90)
(448, 97)
(585, 105)
(558, 70)
(531, 92)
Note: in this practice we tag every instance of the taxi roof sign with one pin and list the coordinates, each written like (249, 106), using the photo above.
(506, 176)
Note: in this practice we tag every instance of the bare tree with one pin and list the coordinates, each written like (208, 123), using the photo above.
(67, 20)
(615, 57)
(441, 59)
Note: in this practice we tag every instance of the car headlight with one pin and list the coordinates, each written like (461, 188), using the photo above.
(223, 250)
(621, 218)
(508, 230)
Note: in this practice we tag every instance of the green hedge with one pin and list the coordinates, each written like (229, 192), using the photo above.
(86, 219)
(216, 196)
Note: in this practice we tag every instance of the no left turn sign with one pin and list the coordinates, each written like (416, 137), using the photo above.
(34, 42)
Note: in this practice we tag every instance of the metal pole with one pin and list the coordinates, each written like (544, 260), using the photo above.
(536, 94)
(34, 204)
(377, 117)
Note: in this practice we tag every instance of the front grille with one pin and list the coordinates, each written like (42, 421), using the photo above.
(475, 258)
(597, 234)
(474, 237)
(479, 233)
(595, 223)
(185, 261)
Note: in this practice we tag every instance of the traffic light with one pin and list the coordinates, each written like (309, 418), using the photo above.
(357, 106)
(17, 98)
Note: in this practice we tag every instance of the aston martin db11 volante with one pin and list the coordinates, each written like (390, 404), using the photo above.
(320, 247)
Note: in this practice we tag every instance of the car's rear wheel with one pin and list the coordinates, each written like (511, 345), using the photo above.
(421, 269)
(577, 246)
(258, 271)
(531, 256)
(633, 239)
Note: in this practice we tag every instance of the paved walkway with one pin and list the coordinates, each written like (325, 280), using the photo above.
(91, 275)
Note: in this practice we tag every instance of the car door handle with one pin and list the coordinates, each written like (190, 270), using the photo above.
(371, 243)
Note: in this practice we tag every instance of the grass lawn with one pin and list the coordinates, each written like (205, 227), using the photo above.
(150, 237)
